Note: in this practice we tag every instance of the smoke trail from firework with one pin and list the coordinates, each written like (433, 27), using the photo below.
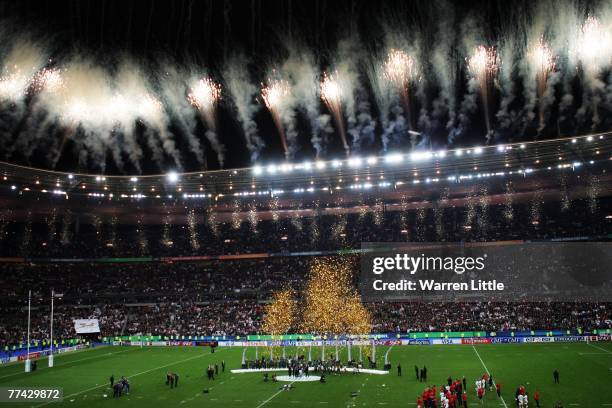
(302, 70)
(204, 96)
(136, 101)
(483, 67)
(277, 97)
(332, 94)
(443, 62)
(509, 115)
(243, 94)
(383, 97)
(174, 86)
(360, 124)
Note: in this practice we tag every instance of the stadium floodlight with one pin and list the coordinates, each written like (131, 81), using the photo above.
(372, 160)
(501, 148)
(133, 179)
(441, 154)
(307, 165)
(574, 140)
(272, 169)
(70, 176)
(478, 150)
(320, 165)
(172, 177)
(590, 139)
(420, 156)
(394, 158)
(336, 163)
(354, 162)
(257, 170)
(286, 167)
(459, 152)
(522, 146)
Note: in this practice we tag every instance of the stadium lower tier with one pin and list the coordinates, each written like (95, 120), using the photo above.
(245, 317)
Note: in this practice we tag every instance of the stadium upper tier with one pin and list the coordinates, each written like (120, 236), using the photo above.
(407, 176)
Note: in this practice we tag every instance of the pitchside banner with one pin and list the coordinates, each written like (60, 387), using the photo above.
(82, 326)
(492, 271)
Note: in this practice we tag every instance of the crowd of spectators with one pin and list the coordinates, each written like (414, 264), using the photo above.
(228, 297)
(80, 236)
(245, 317)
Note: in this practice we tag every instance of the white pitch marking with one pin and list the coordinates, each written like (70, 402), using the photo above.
(133, 375)
(69, 362)
(269, 399)
(600, 348)
(487, 370)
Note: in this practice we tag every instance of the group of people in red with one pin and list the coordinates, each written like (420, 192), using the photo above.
(451, 395)
(454, 394)
(522, 398)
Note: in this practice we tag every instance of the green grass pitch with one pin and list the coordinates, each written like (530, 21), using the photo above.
(585, 372)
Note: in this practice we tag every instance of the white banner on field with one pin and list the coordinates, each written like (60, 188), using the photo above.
(82, 326)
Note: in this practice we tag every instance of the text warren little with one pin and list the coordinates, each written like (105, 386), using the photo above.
(432, 285)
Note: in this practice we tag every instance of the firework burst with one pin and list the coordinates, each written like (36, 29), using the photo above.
(275, 96)
(332, 94)
(593, 46)
(13, 85)
(49, 79)
(20, 66)
(401, 70)
(483, 66)
(542, 63)
(204, 96)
